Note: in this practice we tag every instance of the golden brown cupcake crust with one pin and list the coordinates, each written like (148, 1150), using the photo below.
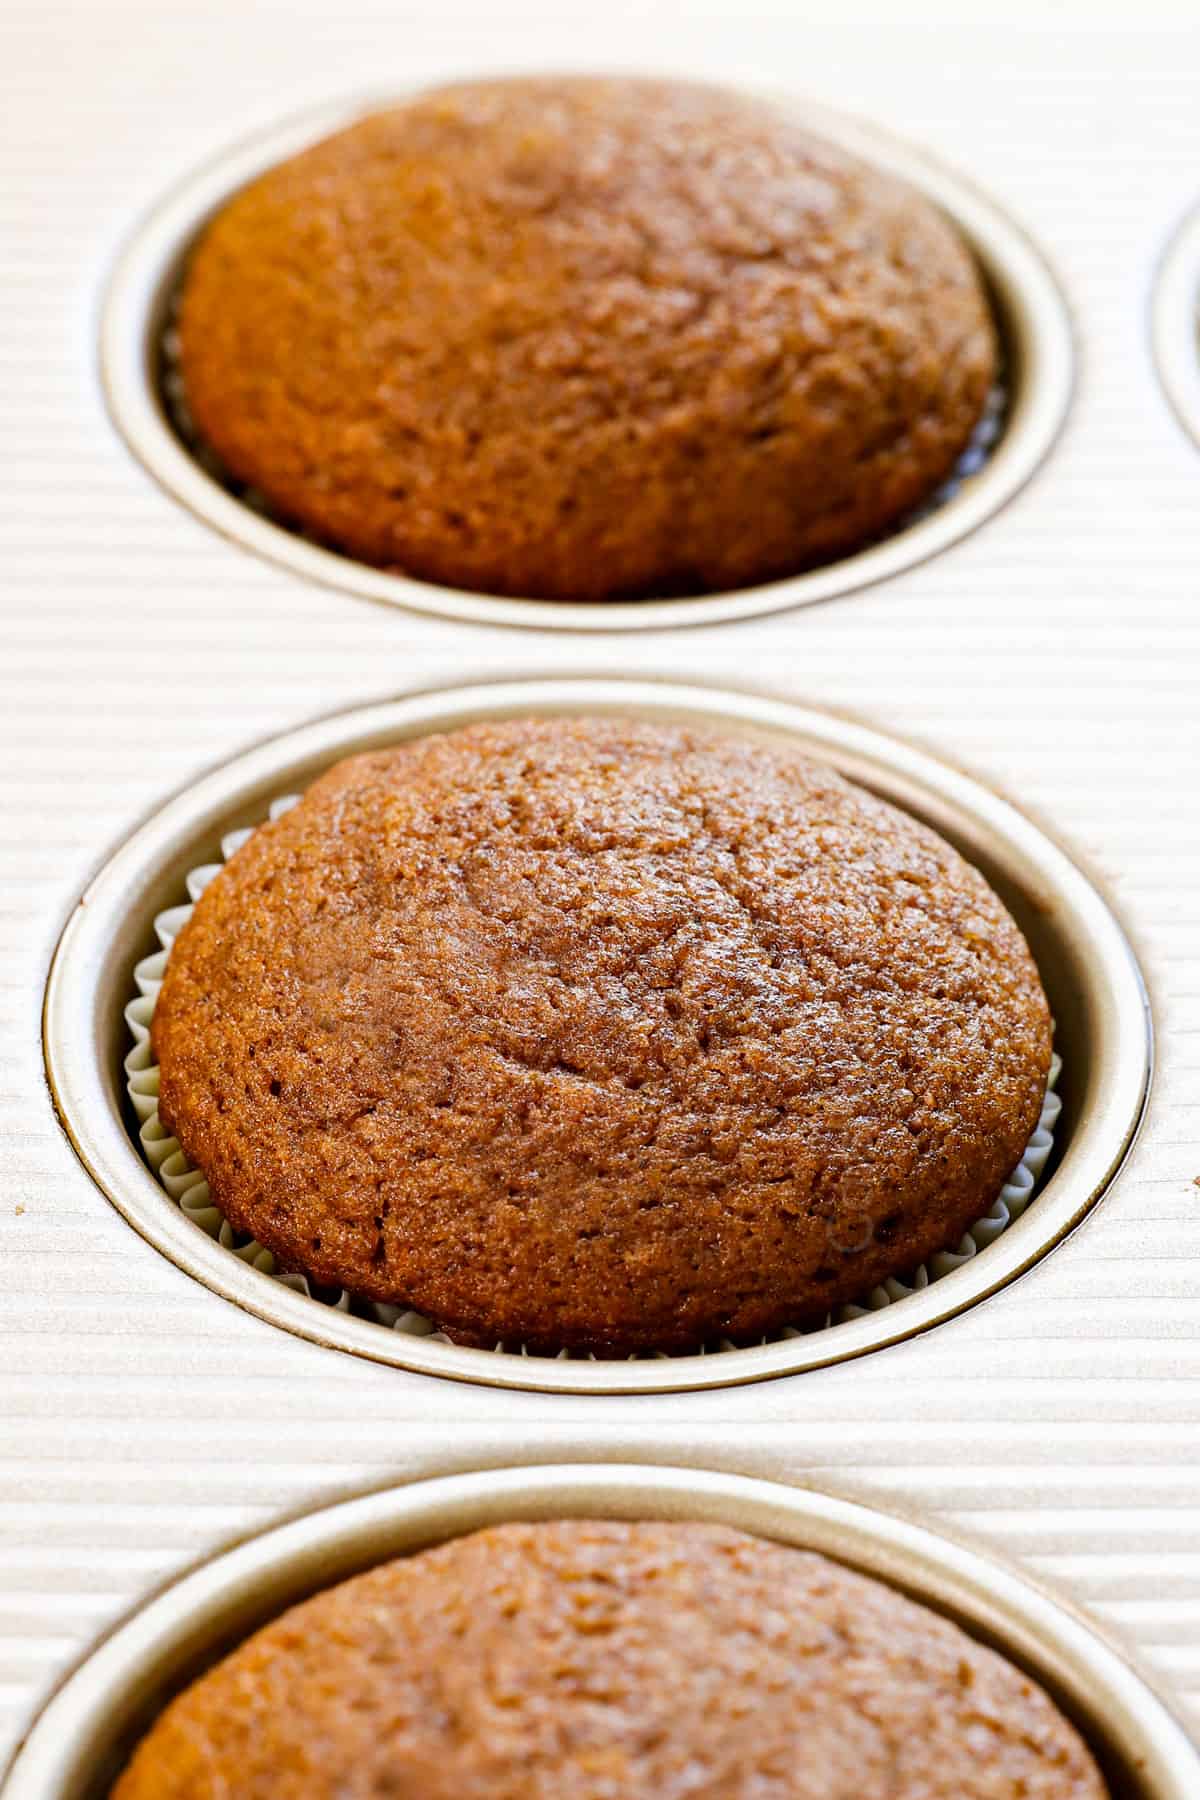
(585, 338)
(602, 1034)
(612, 1661)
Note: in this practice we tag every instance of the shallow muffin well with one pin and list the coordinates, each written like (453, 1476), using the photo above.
(1175, 323)
(1092, 984)
(87, 1731)
(1014, 434)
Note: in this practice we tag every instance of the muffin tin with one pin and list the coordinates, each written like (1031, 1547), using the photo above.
(1091, 978)
(149, 1423)
(1038, 377)
(1175, 323)
(79, 1742)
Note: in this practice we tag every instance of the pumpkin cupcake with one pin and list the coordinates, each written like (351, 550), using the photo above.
(585, 339)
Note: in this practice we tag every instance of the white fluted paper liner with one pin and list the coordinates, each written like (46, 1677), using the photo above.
(187, 1187)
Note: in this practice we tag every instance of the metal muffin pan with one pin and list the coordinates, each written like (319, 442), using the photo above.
(88, 1728)
(1175, 323)
(1031, 312)
(1095, 990)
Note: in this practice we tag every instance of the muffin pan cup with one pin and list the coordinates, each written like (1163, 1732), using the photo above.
(1175, 323)
(1093, 983)
(88, 1728)
(1032, 315)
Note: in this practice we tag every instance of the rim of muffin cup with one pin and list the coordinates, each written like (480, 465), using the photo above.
(1175, 323)
(1092, 979)
(1031, 314)
(91, 1723)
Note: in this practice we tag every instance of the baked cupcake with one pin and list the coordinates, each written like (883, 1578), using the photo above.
(604, 1659)
(584, 339)
(598, 1034)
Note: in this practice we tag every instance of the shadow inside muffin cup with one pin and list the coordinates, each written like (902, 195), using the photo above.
(1092, 983)
(86, 1733)
(1019, 424)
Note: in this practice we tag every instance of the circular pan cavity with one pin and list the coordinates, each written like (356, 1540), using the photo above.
(1093, 983)
(1175, 323)
(1031, 312)
(77, 1745)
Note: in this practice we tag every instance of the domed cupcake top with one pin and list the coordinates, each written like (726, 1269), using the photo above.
(585, 339)
(649, 1661)
(600, 1034)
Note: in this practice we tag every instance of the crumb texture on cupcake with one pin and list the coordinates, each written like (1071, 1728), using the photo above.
(584, 339)
(612, 1661)
(600, 1034)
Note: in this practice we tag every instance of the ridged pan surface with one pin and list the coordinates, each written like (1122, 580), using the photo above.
(145, 1421)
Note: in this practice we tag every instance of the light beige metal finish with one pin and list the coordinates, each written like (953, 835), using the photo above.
(144, 1422)
(80, 1742)
(1175, 323)
(1096, 994)
(1031, 309)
